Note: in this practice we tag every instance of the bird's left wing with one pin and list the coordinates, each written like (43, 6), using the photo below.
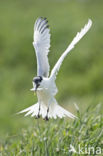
(41, 44)
(70, 47)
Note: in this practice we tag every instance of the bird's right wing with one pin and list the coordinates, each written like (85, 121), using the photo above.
(70, 47)
(41, 44)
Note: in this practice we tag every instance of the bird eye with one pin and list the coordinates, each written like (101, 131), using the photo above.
(37, 80)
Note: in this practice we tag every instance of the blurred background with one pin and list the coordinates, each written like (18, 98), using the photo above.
(80, 79)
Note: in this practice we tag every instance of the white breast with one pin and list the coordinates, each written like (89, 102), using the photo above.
(48, 91)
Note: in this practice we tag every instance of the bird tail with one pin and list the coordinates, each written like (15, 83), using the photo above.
(58, 111)
(54, 111)
(31, 110)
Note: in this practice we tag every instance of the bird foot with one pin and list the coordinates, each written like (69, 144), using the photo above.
(46, 118)
(37, 116)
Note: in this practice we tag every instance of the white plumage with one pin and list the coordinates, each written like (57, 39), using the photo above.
(41, 44)
(71, 46)
(45, 86)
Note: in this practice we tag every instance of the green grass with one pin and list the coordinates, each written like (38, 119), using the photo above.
(80, 79)
(55, 136)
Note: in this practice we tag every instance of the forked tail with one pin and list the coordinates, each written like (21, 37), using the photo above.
(54, 111)
(58, 111)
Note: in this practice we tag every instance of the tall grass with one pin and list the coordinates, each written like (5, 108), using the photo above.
(54, 137)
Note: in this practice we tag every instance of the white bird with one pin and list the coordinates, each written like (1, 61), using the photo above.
(44, 85)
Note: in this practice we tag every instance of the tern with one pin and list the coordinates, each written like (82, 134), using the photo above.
(44, 84)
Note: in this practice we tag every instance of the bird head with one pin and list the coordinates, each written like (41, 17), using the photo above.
(36, 82)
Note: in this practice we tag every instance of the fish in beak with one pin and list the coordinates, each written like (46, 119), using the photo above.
(35, 88)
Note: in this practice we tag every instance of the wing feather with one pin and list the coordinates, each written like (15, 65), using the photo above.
(41, 44)
(70, 47)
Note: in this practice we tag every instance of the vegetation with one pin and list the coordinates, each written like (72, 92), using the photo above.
(80, 79)
(54, 137)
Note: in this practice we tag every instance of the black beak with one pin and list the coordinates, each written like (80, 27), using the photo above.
(36, 86)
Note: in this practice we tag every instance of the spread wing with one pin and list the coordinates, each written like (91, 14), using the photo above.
(70, 47)
(41, 44)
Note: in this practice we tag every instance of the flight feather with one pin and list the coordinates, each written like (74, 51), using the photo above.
(70, 47)
(41, 44)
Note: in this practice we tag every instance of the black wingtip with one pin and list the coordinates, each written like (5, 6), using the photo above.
(42, 24)
(45, 18)
(47, 26)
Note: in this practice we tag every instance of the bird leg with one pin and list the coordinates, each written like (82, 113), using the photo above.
(38, 116)
(46, 117)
